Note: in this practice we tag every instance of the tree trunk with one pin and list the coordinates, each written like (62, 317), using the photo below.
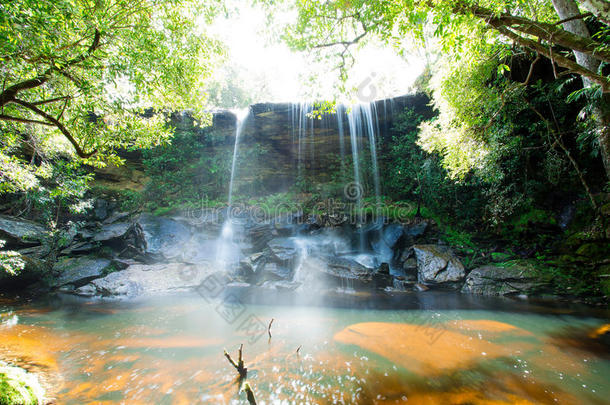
(567, 9)
(600, 8)
(603, 137)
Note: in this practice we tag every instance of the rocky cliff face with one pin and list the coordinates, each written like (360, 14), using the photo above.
(281, 142)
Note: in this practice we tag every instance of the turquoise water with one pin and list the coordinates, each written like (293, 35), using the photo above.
(169, 350)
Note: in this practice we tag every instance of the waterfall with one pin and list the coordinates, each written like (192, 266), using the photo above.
(364, 124)
(226, 248)
(241, 116)
(303, 110)
(354, 122)
(372, 125)
(340, 113)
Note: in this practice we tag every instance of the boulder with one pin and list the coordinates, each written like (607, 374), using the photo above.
(327, 270)
(251, 263)
(163, 237)
(438, 265)
(416, 229)
(283, 249)
(79, 270)
(33, 271)
(113, 231)
(79, 247)
(391, 234)
(141, 279)
(494, 280)
(367, 260)
(20, 232)
(274, 271)
(36, 252)
(384, 268)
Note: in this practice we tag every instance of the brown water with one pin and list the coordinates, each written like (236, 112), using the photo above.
(169, 350)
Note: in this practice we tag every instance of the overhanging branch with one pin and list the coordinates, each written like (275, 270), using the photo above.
(55, 122)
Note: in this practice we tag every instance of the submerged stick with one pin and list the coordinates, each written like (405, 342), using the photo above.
(269, 328)
(249, 394)
(239, 366)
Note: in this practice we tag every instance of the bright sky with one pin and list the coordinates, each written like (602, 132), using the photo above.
(274, 73)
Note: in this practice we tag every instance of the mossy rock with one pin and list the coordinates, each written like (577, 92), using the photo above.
(593, 250)
(17, 386)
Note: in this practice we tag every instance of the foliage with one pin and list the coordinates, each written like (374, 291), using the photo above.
(85, 69)
(83, 80)
(10, 261)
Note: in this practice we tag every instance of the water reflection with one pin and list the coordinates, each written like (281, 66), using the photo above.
(169, 351)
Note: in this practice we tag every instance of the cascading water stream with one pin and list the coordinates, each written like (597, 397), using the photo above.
(227, 250)
(370, 113)
(363, 123)
(354, 132)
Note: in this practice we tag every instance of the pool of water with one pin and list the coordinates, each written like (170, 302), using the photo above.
(341, 349)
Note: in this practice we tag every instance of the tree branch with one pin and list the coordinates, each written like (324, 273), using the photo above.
(5, 117)
(55, 122)
(574, 17)
(548, 32)
(51, 100)
(11, 92)
(559, 59)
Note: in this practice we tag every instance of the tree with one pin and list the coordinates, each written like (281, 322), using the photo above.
(88, 69)
(553, 30)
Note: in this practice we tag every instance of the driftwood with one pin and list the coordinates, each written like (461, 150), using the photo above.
(249, 394)
(269, 328)
(239, 366)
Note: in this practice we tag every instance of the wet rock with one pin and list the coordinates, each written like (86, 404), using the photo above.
(20, 232)
(251, 263)
(438, 265)
(163, 237)
(260, 235)
(281, 285)
(416, 229)
(283, 249)
(36, 252)
(100, 209)
(494, 280)
(114, 231)
(367, 260)
(384, 268)
(410, 266)
(401, 284)
(391, 234)
(327, 270)
(285, 225)
(275, 271)
(420, 287)
(117, 216)
(79, 247)
(142, 279)
(79, 270)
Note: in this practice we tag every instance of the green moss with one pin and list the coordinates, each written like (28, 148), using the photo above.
(500, 256)
(18, 387)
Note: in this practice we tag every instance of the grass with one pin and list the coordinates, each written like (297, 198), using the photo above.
(18, 387)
